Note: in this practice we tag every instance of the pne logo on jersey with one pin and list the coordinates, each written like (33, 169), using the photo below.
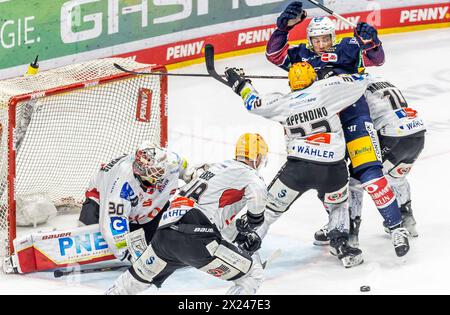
(118, 226)
(329, 57)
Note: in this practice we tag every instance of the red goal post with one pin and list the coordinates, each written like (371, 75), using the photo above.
(58, 126)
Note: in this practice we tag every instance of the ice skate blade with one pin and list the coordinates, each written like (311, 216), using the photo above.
(321, 243)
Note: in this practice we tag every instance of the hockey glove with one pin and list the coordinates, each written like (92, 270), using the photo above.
(247, 239)
(291, 16)
(325, 73)
(235, 79)
(367, 36)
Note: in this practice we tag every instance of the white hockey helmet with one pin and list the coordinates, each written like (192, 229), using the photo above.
(150, 164)
(321, 26)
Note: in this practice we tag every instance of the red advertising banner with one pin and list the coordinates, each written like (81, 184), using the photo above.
(394, 20)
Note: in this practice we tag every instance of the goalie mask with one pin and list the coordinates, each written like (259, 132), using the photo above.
(252, 147)
(150, 164)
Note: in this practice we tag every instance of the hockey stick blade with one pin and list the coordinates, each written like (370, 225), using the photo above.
(209, 60)
(271, 258)
(210, 67)
(60, 273)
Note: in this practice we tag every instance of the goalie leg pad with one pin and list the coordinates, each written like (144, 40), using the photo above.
(49, 250)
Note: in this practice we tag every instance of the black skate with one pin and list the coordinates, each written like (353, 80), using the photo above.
(400, 241)
(349, 256)
(321, 237)
(354, 232)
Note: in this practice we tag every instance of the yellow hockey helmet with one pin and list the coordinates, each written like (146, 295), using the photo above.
(251, 145)
(301, 75)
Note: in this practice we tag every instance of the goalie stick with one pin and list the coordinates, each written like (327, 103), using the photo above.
(329, 11)
(67, 272)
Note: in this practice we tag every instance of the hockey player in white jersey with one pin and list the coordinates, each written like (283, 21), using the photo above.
(199, 224)
(315, 146)
(132, 192)
(402, 136)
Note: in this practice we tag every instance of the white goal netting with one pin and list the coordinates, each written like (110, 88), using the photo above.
(58, 126)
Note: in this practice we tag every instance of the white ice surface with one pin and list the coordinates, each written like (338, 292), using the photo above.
(205, 119)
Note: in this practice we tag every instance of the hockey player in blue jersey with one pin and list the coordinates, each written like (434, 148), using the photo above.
(348, 55)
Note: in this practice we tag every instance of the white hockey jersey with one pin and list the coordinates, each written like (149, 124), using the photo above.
(221, 193)
(389, 110)
(122, 200)
(310, 116)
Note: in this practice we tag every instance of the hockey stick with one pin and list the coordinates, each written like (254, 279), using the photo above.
(271, 258)
(60, 273)
(119, 67)
(210, 67)
(209, 60)
(329, 11)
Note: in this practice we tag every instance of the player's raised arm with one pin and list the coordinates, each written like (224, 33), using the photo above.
(277, 46)
(271, 106)
(372, 49)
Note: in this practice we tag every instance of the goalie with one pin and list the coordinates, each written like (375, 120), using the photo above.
(124, 203)
(199, 227)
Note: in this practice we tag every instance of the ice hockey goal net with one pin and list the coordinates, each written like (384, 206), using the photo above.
(58, 126)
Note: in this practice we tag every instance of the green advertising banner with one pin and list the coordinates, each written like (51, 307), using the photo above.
(56, 28)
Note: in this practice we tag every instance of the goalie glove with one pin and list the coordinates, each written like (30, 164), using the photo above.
(236, 80)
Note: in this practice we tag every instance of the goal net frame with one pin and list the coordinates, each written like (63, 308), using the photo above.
(10, 132)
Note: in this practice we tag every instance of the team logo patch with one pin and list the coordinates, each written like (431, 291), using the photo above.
(338, 196)
(329, 57)
(118, 226)
(219, 271)
(126, 192)
(282, 193)
(361, 151)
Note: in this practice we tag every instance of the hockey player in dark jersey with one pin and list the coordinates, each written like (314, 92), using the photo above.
(349, 55)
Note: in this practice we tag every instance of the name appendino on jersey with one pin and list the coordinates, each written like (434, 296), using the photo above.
(306, 116)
